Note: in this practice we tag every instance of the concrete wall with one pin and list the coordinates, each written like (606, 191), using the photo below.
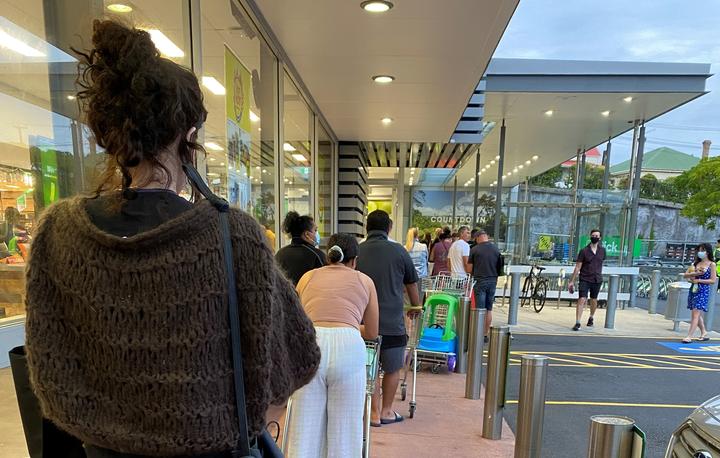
(663, 218)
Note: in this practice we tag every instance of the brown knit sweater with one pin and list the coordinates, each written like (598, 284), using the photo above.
(128, 339)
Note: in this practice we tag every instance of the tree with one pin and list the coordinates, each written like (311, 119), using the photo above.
(702, 186)
(548, 178)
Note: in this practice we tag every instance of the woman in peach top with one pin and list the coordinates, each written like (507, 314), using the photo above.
(327, 413)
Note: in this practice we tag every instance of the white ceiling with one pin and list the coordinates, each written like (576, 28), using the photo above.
(576, 122)
(437, 50)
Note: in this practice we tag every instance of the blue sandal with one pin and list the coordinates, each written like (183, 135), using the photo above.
(398, 418)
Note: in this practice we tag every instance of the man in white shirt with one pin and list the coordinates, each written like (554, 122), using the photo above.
(459, 252)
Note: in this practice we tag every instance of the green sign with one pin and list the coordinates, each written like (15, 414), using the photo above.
(612, 245)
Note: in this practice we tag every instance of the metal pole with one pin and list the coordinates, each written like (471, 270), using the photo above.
(606, 184)
(475, 354)
(611, 437)
(712, 302)
(476, 195)
(531, 406)
(612, 301)
(523, 238)
(561, 286)
(576, 181)
(654, 291)
(462, 342)
(498, 358)
(514, 298)
(499, 185)
(628, 198)
(632, 226)
(578, 197)
(453, 222)
(676, 323)
(633, 291)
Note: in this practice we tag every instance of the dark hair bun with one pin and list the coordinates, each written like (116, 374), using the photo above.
(295, 225)
(123, 50)
(335, 255)
(348, 245)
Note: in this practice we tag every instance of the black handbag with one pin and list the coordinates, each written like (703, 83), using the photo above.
(43, 438)
(263, 446)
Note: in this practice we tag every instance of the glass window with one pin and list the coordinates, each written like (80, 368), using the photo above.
(46, 153)
(297, 150)
(238, 74)
(324, 191)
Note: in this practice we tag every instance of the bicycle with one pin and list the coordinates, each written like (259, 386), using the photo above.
(535, 289)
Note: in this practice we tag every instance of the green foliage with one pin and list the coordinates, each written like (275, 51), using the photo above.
(558, 174)
(548, 178)
(652, 188)
(702, 185)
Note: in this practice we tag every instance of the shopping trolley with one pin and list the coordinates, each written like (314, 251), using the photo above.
(372, 367)
(413, 325)
(372, 371)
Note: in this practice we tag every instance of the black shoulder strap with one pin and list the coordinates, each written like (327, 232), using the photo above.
(243, 449)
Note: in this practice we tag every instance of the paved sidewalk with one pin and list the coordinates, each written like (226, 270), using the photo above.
(445, 423)
(630, 322)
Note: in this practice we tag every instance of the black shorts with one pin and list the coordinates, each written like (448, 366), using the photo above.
(593, 288)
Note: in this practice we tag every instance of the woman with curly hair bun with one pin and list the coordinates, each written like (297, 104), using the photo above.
(128, 342)
(301, 255)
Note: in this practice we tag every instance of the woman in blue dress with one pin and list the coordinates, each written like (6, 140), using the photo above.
(703, 274)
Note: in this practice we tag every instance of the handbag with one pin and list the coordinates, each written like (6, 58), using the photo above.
(263, 446)
(43, 438)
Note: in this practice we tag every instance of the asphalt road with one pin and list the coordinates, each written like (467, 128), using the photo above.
(612, 370)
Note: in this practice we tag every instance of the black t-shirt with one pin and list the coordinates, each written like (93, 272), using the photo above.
(299, 258)
(592, 264)
(149, 209)
(486, 260)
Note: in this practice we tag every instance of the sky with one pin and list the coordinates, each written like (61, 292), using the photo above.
(630, 30)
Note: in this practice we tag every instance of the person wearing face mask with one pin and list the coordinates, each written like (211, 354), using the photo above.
(301, 255)
(589, 266)
(703, 276)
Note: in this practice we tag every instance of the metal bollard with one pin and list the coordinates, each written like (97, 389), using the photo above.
(531, 406)
(633, 291)
(611, 437)
(561, 287)
(462, 334)
(654, 291)
(612, 302)
(712, 302)
(498, 358)
(514, 298)
(475, 353)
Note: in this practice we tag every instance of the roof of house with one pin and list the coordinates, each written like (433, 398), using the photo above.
(660, 159)
(589, 154)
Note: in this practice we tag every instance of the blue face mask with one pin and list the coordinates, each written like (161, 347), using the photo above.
(317, 238)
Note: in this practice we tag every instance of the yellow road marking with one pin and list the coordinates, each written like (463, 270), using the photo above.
(576, 363)
(608, 366)
(626, 363)
(698, 359)
(612, 404)
(645, 358)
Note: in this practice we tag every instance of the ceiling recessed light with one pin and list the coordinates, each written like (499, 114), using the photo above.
(213, 146)
(213, 85)
(549, 113)
(497, 158)
(492, 162)
(383, 79)
(509, 173)
(605, 113)
(254, 117)
(299, 157)
(213, 159)
(288, 148)
(628, 99)
(376, 6)
(515, 170)
(119, 8)
(480, 173)
(386, 120)
(258, 167)
(222, 163)
(71, 97)
(535, 158)
(165, 45)
(528, 162)
(520, 166)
